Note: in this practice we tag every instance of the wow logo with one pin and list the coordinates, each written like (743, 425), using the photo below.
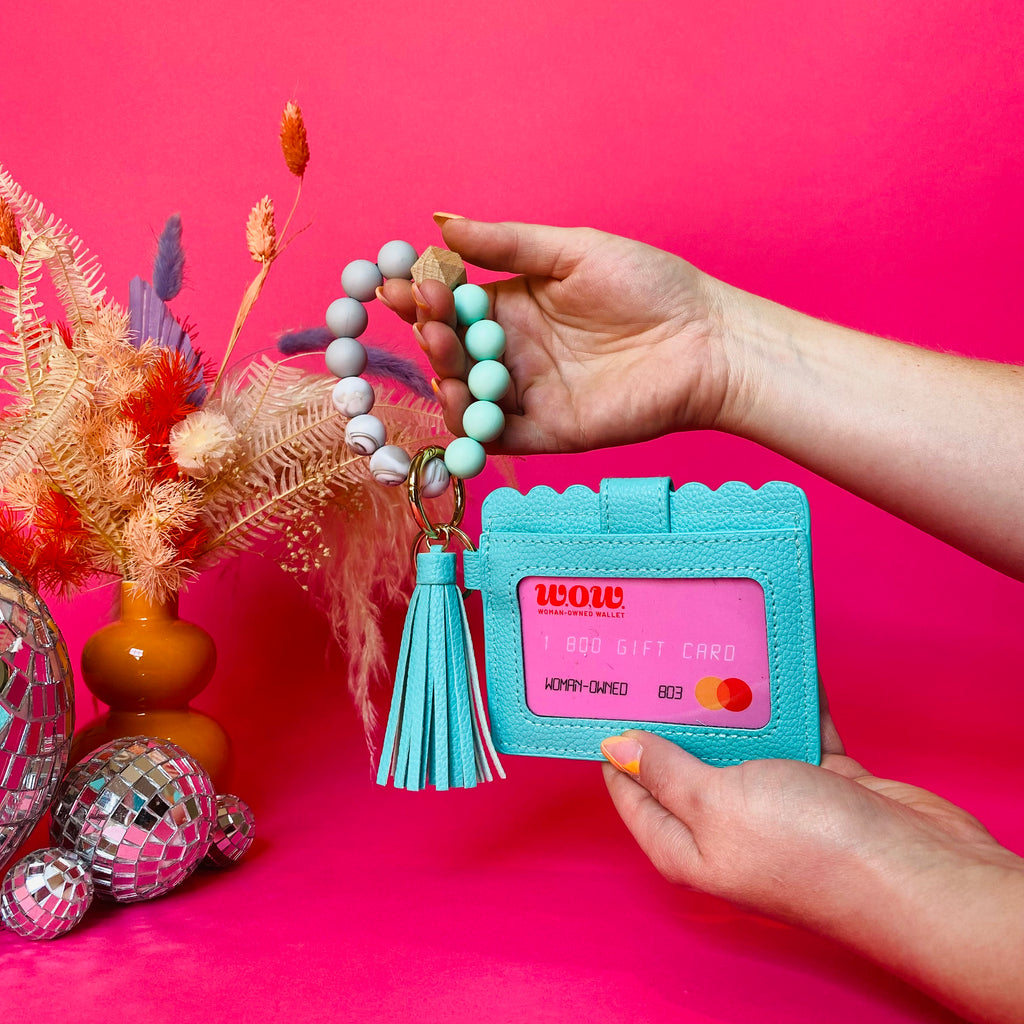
(556, 595)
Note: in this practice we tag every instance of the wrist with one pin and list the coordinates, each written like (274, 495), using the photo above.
(756, 340)
(943, 922)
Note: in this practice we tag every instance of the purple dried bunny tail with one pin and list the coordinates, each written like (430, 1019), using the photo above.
(380, 362)
(313, 339)
(169, 263)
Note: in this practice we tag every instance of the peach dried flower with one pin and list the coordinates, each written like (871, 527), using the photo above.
(260, 232)
(293, 140)
(9, 237)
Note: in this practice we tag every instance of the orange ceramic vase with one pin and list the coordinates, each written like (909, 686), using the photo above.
(147, 666)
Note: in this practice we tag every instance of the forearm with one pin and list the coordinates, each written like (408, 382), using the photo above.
(953, 928)
(933, 438)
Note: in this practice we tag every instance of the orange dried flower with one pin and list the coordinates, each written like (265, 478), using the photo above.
(9, 237)
(260, 232)
(293, 140)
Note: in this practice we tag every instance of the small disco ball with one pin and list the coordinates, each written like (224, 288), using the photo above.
(45, 894)
(232, 833)
(37, 713)
(139, 812)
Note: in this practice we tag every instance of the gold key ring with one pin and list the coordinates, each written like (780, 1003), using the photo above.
(431, 530)
(445, 534)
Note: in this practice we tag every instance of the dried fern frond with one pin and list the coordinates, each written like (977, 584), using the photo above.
(27, 433)
(71, 462)
(76, 275)
(24, 351)
(264, 389)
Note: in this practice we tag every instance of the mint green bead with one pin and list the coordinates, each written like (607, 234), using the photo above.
(483, 421)
(472, 303)
(488, 380)
(485, 340)
(464, 457)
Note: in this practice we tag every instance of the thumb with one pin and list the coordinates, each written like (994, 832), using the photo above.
(531, 249)
(658, 790)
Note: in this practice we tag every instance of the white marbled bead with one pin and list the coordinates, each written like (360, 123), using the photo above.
(353, 396)
(390, 465)
(346, 317)
(361, 279)
(434, 479)
(365, 434)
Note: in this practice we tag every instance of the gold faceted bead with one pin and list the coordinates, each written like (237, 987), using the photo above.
(437, 264)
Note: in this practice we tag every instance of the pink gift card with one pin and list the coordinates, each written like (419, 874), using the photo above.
(688, 651)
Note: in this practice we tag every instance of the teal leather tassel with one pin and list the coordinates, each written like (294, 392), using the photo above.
(437, 728)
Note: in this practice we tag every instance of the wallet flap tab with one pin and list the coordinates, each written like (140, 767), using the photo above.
(636, 505)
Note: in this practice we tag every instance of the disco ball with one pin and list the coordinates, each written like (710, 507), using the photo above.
(45, 894)
(233, 832)
(139, 812)
(36, 710)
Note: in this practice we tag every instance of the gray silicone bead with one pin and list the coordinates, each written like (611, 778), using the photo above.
(396, 258)
(346, 317)
(345, 357)
(361, 279)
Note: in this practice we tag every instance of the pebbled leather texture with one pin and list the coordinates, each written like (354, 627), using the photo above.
(644, 528)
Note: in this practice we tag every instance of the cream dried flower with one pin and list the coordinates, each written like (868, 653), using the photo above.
(260, 231)
(203, 443)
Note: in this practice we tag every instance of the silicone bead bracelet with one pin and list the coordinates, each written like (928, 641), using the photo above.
(354, 397)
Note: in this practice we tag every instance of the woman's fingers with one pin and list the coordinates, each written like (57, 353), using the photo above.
(531, 249)
(444, 349)
(659, 791)
(418, 303)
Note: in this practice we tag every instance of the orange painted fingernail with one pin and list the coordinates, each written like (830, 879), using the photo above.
(417, 329)
(623, 753)
(379, 292)
(440, 219)
(436, 385)
(417, 297)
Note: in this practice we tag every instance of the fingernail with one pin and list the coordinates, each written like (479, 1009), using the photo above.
(623, 753)
(379, 292)
(417, 329)
(436, 385)
(417, 297)
(440, 219)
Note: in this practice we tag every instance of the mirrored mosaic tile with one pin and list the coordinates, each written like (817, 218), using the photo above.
(233, 832)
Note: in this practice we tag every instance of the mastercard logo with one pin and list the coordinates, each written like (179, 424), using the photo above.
(723, 694)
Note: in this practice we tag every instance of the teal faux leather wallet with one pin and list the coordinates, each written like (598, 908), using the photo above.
(688, 612)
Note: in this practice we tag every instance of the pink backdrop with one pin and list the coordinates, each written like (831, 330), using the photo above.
(860, 162)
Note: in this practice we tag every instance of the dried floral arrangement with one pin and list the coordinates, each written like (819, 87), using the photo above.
(124, 455)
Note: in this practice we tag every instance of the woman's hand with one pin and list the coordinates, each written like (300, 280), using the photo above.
(900, 875)
(609, 341)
